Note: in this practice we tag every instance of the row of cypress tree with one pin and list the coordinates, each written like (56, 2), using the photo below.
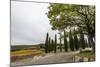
(74, 43)
(50, 44)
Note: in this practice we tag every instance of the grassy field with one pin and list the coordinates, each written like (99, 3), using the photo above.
(26, 52)
(22, 52)
(20, 47)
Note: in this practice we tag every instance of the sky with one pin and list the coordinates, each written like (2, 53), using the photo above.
(29, 23)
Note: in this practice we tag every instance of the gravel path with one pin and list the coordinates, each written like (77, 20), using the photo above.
(47, 59)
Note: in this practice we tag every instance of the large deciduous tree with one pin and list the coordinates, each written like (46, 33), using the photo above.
(66, 16)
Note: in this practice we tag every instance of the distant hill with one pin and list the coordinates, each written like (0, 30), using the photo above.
(19, 47)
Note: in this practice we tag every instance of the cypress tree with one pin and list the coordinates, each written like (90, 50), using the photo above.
(60, 44)
(65, 42)
(89, 43)
(71, 41)
(46, 43)
(55, 43)
(52, 45)
(79, 43)
(76, 42)
(49, 45)
(82, 41)
(86, 44)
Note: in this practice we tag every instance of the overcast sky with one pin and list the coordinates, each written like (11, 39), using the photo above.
(29, 23)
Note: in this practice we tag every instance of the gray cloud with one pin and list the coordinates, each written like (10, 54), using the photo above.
(29, 24)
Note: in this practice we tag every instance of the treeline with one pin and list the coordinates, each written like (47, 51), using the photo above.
(70, 42)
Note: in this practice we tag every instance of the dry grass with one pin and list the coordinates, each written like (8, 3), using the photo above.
(22, 54)
(26, 52)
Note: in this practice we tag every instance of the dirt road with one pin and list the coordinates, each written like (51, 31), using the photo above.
(47, 59)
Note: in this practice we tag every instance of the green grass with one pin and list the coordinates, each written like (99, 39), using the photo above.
(87, 54)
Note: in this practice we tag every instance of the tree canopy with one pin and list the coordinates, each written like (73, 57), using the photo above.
(69, 16)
